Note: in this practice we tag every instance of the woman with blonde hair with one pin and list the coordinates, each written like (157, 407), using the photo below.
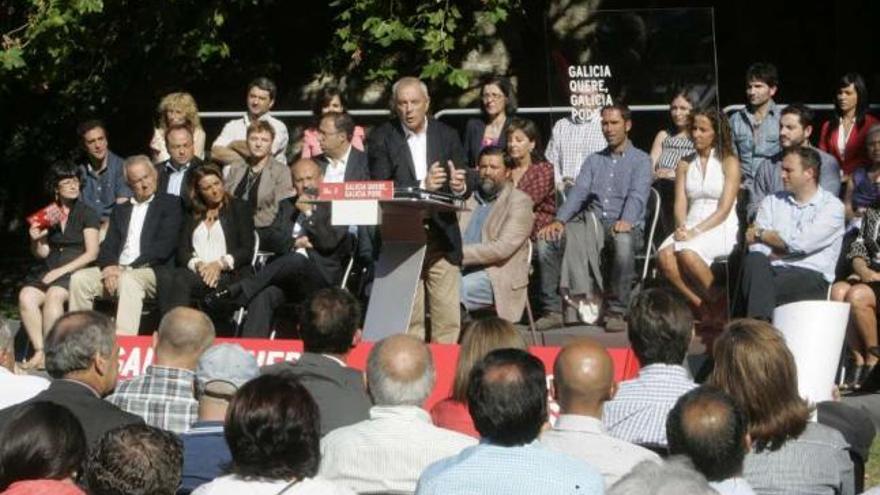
(176, 109)
(480, 338)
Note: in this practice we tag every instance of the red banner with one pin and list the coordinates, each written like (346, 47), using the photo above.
(359, 189)
(136, 353)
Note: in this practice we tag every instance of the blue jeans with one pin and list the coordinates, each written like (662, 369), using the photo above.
(476, 291)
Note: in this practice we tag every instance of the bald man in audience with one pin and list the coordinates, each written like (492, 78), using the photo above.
(389, 451)
(164, 394)
(707, 426)
(583, 379)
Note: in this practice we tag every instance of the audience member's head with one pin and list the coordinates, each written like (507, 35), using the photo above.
(583, 378)
(498, 96)
(683, 101)
(481, 337)
(135, 459)
(180, 144)
(872, 143)
(178, 109)
(507, 397)
(332, 322)
(328, 100)
(261, 96)
(762, 80)
(273, 429)
(7, 345)
(41, 441)
(616, 124)
(206, 189)
(754, 366)
(307, 177)
(82, 346)
(61, 176)
(795, 125)
(141, 176)
(183, 335)
(801, 169)
(410, 101)
(673, 477)
(335, 131)
(660, 327)
(524, 137)
(400, 371)
(221, 371)
(851, 96)
(93, 136)
(708, 427)
(494, 170)
(710, 123)
(260, 135)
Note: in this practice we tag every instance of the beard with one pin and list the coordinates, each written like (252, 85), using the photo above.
(489, 188)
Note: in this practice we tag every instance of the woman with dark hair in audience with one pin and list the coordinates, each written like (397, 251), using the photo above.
(843, 135)
(498, 104)
(789, 453)
(65, 235)
(670, 146)
(329, 99)
(862, 289)
(176, 109)
(706, 186)
(531, 173)
(272, 429)
(42, 448)
(480, 338)
(216, 244)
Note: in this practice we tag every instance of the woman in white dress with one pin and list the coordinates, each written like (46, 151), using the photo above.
(706, 185)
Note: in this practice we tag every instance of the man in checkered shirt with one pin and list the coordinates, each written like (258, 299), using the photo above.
(164, 394)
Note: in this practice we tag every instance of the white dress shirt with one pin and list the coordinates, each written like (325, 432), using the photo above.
(585, 438)
(209, 245)
(232, 484)
(175, 177)
(131, 250)
(19, 388)
(418, 149)
(387, 452)
(335, 172)
(236, 130)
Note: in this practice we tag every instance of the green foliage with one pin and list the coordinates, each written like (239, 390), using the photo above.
(381, 40)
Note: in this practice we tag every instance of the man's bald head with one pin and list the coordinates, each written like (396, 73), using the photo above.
(583, 375)
(707, 426)
(306, 176)
(183, 335)
(400, 371)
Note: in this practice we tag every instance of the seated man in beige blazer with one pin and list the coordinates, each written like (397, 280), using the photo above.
(495, 233)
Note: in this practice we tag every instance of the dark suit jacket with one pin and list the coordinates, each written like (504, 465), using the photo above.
(338, 390)
(162, 170)
(237, 222)
(473, 138)
(390, 159)
(357, 167)
(332, 245)
(96, 415)
(158, 236)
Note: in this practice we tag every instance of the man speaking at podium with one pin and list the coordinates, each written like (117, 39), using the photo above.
(414, 150)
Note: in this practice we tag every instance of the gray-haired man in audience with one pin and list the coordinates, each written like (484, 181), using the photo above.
(390, 450)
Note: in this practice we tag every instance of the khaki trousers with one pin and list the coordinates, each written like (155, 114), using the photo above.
(442, 280)
(134, 285)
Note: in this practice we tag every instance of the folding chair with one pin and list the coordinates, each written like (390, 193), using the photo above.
(653, 209)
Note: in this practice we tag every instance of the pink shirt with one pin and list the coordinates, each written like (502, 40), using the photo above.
(311, 146)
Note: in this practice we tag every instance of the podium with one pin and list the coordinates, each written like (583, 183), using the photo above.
(402, 224)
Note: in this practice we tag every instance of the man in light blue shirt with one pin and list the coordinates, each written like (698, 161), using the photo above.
(795, 240)
(755, 128)
(507, 398)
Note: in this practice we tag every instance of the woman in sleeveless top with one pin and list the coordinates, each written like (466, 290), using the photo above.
(706, 185)
(670, 146)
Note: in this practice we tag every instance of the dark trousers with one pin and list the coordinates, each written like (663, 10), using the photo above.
(179, 286)
(289, 277)
(765, 286)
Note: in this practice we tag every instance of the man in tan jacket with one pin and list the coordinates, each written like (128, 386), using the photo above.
(495, 233)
